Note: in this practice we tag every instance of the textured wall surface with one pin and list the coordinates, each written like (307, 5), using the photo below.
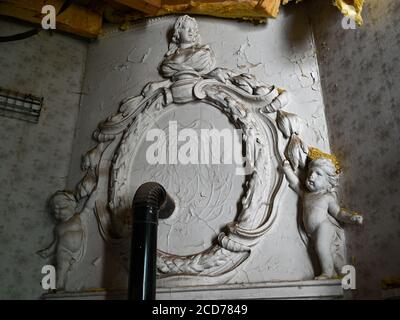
(360, 74)
(281, 52)
(34, 158)
(359, 71)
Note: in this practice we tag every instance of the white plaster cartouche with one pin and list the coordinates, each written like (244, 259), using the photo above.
(287, 61)
(246, 102)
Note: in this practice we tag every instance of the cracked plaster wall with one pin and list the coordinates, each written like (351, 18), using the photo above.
(281, 53)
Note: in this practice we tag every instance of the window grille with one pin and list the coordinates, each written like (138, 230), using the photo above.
(20, 106)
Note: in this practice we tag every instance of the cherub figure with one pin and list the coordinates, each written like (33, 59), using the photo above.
(322, 212)
(69, 235)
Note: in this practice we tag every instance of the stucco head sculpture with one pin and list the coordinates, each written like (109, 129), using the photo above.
(322, 176)
(186, 33)
(63, 205)
(185, 53)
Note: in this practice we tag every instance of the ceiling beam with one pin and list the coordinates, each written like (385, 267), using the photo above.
(150, 7)
(250, 9)
(87, 20)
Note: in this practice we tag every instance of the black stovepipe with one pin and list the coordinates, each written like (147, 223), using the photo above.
(150, 203)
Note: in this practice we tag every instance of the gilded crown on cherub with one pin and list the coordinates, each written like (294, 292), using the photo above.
(315, 153)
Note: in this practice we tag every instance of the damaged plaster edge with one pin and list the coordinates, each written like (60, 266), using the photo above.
(319, 84)
(68, 181)
(110, 30)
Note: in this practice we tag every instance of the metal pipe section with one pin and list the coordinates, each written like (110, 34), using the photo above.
(150, 202)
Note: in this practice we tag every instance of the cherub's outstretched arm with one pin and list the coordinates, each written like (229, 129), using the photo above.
(50, 250)
(292, 178)
(343, 215)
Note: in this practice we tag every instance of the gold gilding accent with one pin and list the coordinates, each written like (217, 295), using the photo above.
(315, 153)
(353, 213)
(390, 283)
(245, 9)
(351, 8)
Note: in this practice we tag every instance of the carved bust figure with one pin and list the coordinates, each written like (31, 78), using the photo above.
(185, 53)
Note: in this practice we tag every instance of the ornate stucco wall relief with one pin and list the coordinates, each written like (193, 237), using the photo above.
(191, 77)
